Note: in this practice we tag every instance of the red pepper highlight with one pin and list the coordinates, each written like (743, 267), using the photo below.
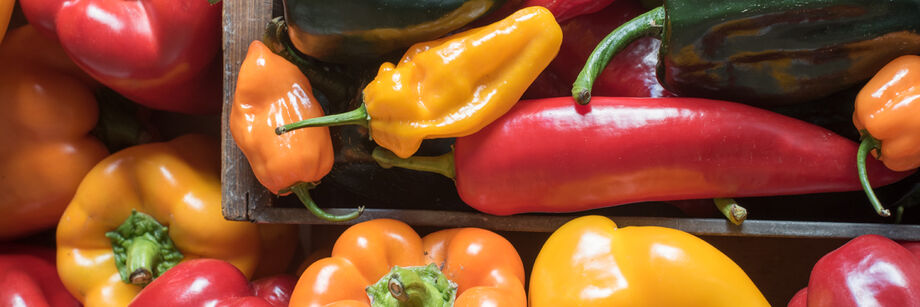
(550, 155)
(28, 277)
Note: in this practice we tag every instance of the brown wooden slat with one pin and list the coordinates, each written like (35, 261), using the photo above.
(549, 223)
(243, 22)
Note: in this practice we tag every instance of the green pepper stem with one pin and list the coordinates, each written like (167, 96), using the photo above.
(421, 286)
(868, 144)
(443, 164)
(648, 24)
(354, 117)
(730, 208)
(142, 248)
(302, 190)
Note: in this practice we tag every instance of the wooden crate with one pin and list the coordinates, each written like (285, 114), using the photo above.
(794, 240)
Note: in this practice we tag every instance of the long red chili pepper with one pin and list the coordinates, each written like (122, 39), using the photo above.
(551, 155)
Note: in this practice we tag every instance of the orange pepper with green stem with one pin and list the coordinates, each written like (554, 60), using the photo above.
(48, 115)
(270, 91)
(385, 263)
(453, 86)
(887, 115)
(143, 209)
(590, 262)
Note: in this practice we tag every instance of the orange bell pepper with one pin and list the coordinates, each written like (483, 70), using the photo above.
(143, 209)
(270, 91)
(6, 10)
(45, 142)
(886, 115)
(388, 261)
(589, 262)
(453, 86)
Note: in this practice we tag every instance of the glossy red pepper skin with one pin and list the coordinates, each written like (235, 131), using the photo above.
(550, 155)
(212, 282)
(28, 277)
(160, 53)
(869, 270)
(568, 9)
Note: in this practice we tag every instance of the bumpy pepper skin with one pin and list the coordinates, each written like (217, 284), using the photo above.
(456, 85)
(590, 262)
(485, 267)
(162, 54)
(28, 278)
(888, 109)
(175, 182)
(869, 270)
(48, 117)
(271, 92)
(346, 31)
(211, 282)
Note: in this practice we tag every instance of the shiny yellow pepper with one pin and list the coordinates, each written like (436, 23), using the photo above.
(589, 262)
(453, 86)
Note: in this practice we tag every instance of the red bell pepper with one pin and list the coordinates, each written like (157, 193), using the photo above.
(212, 282)
(551, 155)
(160, 53)
(870, 270)
(629, 74)
(568, 9)
(28, 277)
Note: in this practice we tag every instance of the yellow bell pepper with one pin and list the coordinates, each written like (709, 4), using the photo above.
(102, 244)
(453, 86)
(589, 262)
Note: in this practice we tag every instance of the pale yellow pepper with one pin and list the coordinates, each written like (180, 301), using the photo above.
(589, 262)
(453, 86)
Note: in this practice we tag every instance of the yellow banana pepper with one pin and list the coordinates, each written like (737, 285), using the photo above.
(589, 262)
(453, 86)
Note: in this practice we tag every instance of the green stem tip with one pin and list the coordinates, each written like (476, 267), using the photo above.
(302, 190)
(730, 208)
(868, 144)
(142, 248)
(357, 116)
(443, 164)
(649, 23)
(413, 286)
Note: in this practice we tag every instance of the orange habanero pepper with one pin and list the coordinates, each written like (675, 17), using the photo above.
(143, 210)
(590, 262)
(453, 86)
(270, 91)
(45, 142)
(387, 261)
(887, 115)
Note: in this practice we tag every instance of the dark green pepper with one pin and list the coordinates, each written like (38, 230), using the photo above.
(765, 52)
(346, 31)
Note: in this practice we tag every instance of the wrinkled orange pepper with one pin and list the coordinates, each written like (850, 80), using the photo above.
(270, 91)
(387, 260)
(590, 262)
(453, 86)
(113, 237)
(887, 115)
(45, 142)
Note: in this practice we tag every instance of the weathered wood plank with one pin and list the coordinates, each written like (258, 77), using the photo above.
(243, 22)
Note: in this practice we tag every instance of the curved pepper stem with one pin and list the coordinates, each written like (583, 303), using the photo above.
(421, 286)
(354, 117)
(302, 190)
(443, 164)
(648, 24)
(143, 250)
(730, 208)
(868, 144)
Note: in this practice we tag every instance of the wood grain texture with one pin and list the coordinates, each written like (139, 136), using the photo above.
(243, 22)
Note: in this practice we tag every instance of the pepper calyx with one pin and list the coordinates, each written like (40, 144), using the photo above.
(413, 286)
(143, 249)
